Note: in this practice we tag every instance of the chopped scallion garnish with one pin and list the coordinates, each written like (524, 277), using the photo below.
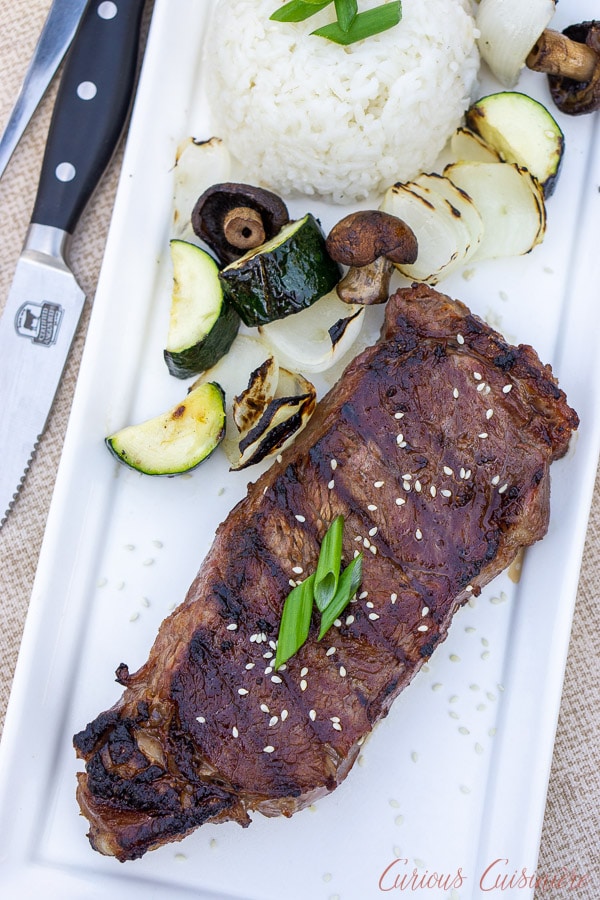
(350, 25)
(298, 10)
(328, 566)
(348, 585)
(365, 24)
(346, 11)
(340, 588)
(295, 621)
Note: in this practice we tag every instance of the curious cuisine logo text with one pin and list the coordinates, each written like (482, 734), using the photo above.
(496, 878)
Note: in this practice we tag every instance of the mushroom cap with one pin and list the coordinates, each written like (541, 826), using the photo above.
(362, 237)
(574, 97)
(216, 203)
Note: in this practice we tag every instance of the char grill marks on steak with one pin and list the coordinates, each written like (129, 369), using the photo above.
(435, 445)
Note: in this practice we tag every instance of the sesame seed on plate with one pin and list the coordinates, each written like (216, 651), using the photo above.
(433, 490)
(232, 627)
(373, 617)
(343, 671)
(331, 484)
(235, 732)
(373, 532)
(273, 721)
(448, 470)
(455, 393)
(300, 518)
(446, 493)
(418, 534)
(423, 628)
(489, 413)
(418, 486)
(268, 749)
(312, 715)
(462, 473)
(303, 671)
(378, 484)
(400, 501)
(284, 715)
(366, 542)
(425, 611)
(333, 464)
(373, 549)
(200, 719)
(264, 708)
(363, 594)
(275, 679)
(242, 692)
(297, 570)
(482, 434)
(406, 485)
(268, 670)
(481, 386)
(371, 507)
(399, 415)
(349, 620)
(393, 597)
(477, 376)
(337, 726)
(331, 651)
(507, 388)
(370, 605)
(503, 488)
(303, 684)
(399, 438)
(495, 479)
(460, 339)
(250, 665)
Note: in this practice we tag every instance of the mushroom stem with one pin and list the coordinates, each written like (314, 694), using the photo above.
(556, 54)
(243, 227)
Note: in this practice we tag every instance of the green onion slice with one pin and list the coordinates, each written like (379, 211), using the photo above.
(346, 11)
(328, 566)
(298, 10)
(364, 25)
(295, 621)
(349, 583)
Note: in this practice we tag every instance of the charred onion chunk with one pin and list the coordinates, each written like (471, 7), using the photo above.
(233, 218)
(578, 97)
(370, 242)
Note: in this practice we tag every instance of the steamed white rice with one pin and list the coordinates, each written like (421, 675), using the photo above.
(304, 115)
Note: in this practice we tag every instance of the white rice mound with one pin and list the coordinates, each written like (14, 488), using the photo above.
(303, 115)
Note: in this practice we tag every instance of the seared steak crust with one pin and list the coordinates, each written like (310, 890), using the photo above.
(435, 445)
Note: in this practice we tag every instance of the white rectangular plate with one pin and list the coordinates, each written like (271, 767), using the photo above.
(455, 778)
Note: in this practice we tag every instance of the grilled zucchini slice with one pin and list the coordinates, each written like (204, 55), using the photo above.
(178, 440)
(521, 131)
(283, 275)
(202, 323)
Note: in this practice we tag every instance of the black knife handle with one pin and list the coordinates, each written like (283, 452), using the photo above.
(91, 108)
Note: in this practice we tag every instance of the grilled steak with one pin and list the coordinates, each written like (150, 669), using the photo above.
(435, 445)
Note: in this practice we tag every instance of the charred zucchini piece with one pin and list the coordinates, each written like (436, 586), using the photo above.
(521, 131)
(283, 275)
(178, 440)
(202, 323)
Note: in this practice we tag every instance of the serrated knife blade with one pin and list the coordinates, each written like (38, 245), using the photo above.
(45, 302)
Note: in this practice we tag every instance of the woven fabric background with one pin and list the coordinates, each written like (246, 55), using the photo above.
(571, 835)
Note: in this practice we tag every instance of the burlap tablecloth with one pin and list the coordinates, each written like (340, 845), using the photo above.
(571, 834)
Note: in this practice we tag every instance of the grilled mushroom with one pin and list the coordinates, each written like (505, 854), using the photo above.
(579, 93)
(233, 218)
(370, 242)
(514, 35)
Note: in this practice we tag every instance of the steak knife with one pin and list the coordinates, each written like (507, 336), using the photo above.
(54, 41)
(45, 302)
